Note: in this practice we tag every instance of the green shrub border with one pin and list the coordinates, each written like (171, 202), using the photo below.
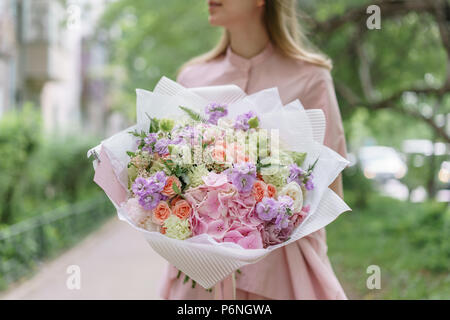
(24, 245)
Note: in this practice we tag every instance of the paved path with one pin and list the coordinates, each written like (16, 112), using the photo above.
(115, 263)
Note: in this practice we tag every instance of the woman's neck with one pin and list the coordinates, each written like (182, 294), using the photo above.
(249, 39)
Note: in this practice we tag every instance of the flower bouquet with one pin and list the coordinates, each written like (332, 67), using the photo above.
(216, 179)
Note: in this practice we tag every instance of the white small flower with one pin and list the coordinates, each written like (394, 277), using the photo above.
(293, 190)
(212, 133)
(225, 123)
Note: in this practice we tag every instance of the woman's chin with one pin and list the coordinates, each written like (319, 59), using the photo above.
(215, 21)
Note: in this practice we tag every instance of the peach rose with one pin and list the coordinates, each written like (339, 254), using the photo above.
(271, 190)
(161, 212)
(174, 200)
(168, 188)
(219, 153)
(259, 190)
(182, 209)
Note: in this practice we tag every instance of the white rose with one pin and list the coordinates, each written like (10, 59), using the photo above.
(225, 123)
(293, 190)
(212, 133)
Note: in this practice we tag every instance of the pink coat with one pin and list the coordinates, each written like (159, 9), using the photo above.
(300, 270)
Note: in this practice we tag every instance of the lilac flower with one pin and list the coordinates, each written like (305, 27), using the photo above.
(243, 119)
(309, 185)
(189, 133)
(150, 200)
(295, 174)
(215, 111)
(157, 181)
(285, 207)
(140, 186)
(176, 140)
(243, 176)
(272, 235)
(267, 209)
(282, 221)
(286, 204)
(150, 141)
(161, 146)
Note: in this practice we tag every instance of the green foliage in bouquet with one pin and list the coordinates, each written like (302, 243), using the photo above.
(193, 114)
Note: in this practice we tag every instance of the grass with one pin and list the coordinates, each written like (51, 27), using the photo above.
(410, 243)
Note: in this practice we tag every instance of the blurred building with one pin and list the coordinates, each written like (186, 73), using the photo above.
(45, 59)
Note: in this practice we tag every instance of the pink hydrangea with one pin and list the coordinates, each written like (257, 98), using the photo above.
(225, 214)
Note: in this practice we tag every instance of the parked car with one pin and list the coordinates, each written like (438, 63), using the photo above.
(381, 163)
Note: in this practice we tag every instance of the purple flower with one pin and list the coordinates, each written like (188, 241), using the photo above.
(215, 111)
(286, 204)
(309, 185)
(282, 221)
(161, 146)
(157, 181)
(295, 174)
(243, 119)
(150, 141)
(243, 176)
(272, 235)
(176, 140)
(267, 209)
(150, 200)
(140, 186)
(188, 133)
(285, 207)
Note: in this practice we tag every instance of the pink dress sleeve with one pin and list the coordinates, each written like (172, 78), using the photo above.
(321, 94)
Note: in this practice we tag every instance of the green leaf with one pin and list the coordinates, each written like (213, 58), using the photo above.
(311, 167)
(193, 114)
(186, 279)
(253, 122)
(298, 157)
(154, 124)
(175, 188)
(131, 154)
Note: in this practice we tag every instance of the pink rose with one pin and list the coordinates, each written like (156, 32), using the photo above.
(136, 213)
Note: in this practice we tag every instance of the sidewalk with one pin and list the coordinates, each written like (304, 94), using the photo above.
(115, 263)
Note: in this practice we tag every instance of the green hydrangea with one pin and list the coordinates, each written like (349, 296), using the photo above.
(166, 124)
(196, 174)
(158, 166)
(298, 157)
(285, 158)
(177, 228)
(276, 173)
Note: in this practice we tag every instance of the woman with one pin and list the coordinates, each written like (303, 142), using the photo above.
(262, 48)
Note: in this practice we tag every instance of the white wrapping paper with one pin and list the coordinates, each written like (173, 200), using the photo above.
(201, 257)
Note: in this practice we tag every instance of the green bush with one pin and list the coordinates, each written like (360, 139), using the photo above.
(38, 173)
(360, 187)
(19, 139)
(408, 241)
(48, 200)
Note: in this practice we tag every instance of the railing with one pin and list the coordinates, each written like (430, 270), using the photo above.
(24, 245)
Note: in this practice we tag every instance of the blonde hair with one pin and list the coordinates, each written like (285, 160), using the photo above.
(285, 33)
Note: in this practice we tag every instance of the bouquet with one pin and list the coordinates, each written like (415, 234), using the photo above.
(216, 179)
